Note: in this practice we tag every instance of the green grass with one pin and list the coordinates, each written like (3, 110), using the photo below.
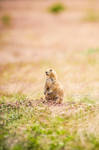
(6, 20)
(26, 126)
(56, 8)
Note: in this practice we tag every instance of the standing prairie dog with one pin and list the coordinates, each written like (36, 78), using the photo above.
(53, 90)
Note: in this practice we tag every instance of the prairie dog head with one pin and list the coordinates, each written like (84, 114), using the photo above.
(50, 73)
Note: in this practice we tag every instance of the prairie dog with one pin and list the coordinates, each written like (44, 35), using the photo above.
(53, 90)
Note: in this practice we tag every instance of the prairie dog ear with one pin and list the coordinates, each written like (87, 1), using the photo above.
(51, 70)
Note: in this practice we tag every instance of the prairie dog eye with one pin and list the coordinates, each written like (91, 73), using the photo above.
(51, 70)
(46, 73)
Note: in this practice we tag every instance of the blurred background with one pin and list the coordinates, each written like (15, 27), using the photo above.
(38, 34)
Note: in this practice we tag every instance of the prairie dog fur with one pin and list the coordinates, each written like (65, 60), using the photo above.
(53, 90)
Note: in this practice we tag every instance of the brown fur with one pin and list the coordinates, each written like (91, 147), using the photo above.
(53, 89)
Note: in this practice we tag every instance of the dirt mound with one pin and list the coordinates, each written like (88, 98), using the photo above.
(67, 108)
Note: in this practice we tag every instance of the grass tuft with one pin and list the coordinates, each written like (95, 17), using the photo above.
(57, 8)
(6, 20)
(92, 51)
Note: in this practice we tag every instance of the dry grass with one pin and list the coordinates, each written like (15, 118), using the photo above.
(91, 16)
(75, 71)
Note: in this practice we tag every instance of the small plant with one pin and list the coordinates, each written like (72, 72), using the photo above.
(91, 16)
(6, 20)
(92, 51)
(57, 8)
